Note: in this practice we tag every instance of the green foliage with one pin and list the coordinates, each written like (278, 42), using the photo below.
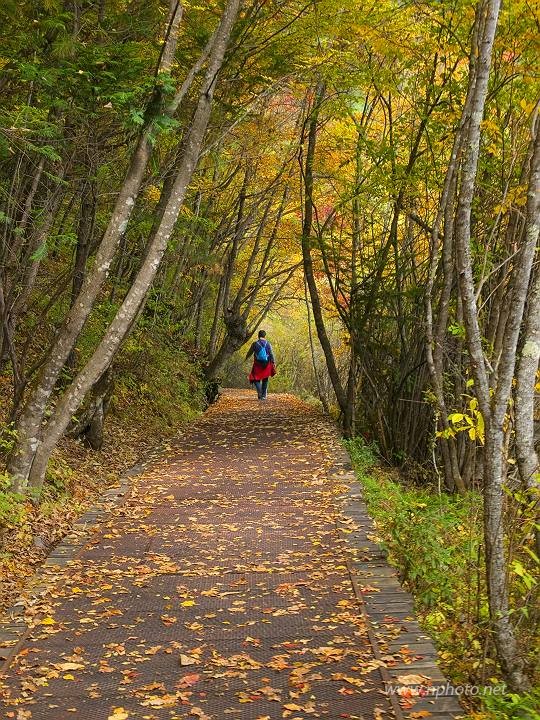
(158, 380)
(363, 455)
(435, 541)
(40, 253)
(427, 535)
(155, 376)
(7, 439)
(58, 479)
(11, 505)
(512, 706)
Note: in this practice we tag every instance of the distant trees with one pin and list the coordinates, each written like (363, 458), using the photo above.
(345, 394)
(255, 266)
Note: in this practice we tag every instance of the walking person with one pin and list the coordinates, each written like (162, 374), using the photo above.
(264, 365)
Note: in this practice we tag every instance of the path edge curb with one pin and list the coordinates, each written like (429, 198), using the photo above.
(372, 570)
(14, 628)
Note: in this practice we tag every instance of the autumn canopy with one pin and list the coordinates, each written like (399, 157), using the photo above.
(361, 179)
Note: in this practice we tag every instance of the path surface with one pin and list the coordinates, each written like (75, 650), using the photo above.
(219, 589)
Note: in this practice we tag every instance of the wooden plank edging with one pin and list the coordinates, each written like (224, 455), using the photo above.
(388, 610)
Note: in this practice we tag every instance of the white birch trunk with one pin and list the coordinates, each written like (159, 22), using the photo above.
(119, 327)
(28, 428)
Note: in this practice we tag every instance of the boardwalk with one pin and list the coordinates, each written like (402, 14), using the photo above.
(220, 588)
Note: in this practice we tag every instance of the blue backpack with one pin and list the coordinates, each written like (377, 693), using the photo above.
(261, 352)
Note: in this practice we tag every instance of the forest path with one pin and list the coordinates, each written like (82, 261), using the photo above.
(219, 589)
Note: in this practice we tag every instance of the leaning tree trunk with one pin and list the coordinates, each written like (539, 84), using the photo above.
(29, 423)
(122, 322)
(237, 334)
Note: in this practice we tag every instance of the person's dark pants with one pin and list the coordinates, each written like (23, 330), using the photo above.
(262, 388)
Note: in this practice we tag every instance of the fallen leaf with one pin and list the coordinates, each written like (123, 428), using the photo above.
(187, 660)
(69, 666)
(199, 713)
(411, 679)
(118, 714)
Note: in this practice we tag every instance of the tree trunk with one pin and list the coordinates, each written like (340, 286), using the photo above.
(121, 324)
(90, 426)
(527, 364)
(318, 318)
(28, 427)
(349, 412)
(435, 337)
(527, 368)
(84, 236)
(237, 335)
(492, 411)
(218, 309)
(494, 462)
(321, 395)
(84, 241)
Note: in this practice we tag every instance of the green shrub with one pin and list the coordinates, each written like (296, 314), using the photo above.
(58, 479)
(513, 707)
(158, 379)
(11, 505)
(7, 439)
(426, 534)
(435, 541)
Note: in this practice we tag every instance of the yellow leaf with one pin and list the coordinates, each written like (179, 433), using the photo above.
(48, 621)
(188, 603)
(118, 714)
(411, 679)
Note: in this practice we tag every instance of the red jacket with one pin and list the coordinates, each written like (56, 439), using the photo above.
(260, 370)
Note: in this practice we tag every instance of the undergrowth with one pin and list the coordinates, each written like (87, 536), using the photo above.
(435, 541)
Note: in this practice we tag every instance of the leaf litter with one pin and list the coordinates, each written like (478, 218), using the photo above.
(221, 584)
